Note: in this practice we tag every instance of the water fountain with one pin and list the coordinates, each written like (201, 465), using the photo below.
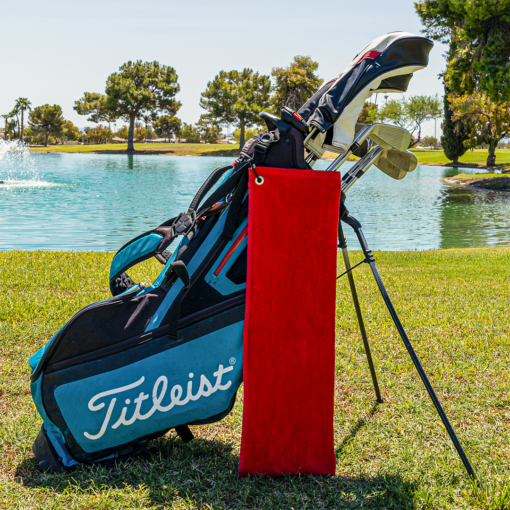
(17, 165)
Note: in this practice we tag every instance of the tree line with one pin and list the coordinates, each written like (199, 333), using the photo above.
(477, 75)
(475, 107)
(409, 113)
(146, 91)
(142, 94)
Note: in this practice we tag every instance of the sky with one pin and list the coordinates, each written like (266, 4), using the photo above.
(54, 51)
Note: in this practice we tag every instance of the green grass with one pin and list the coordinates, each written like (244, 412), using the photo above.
(479, 176)
(176, 149)
(425, 156)
(477, 157)
(455, 306)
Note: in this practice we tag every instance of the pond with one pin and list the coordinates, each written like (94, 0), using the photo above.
(98, 202)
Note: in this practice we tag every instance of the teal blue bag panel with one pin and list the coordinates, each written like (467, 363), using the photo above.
(156, 393)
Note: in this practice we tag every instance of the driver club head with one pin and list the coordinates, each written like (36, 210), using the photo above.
(396, 164)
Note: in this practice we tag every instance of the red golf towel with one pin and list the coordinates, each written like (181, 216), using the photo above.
(289, 329)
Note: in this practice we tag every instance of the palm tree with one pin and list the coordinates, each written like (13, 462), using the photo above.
(22, 104)
(10, 125)
(147, 117)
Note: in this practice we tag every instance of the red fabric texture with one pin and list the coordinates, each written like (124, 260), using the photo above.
(289, 329)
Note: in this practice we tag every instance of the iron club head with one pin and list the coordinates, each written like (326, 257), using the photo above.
(390, 137)
(396, 164)
(383, 135)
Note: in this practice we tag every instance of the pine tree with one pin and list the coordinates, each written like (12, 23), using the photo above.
(479, 31)
(48, 120)
(139, 87)
(453, 133)
(295, 83)
(237, 97)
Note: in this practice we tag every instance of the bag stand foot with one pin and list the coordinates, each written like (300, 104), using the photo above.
(356, 226)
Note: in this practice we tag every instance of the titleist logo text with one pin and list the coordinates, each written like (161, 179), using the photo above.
(159, 392)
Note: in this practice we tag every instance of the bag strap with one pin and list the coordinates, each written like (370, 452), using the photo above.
(237, 184)
(177, 269)
(235, 207)
(208, 184)
(153, 243)
(224, 189)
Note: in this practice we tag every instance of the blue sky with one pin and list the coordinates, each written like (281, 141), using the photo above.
(55, 50)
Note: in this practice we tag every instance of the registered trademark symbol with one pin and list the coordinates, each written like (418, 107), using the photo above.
(232, 361)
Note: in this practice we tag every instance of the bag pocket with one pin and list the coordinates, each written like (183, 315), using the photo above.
(139, 389)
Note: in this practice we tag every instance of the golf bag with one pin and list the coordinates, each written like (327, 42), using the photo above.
(169, 354)
(160, 356)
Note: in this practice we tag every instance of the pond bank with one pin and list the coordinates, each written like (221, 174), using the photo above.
(492, 182)
(157, 149)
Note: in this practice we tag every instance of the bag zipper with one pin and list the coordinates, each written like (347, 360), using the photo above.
(145, 337)
(212, 310)
(108, 351)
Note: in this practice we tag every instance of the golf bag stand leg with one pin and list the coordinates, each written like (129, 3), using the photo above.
(347, 262)
(356, 226)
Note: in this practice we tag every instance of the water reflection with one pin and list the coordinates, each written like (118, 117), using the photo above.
(473, 218)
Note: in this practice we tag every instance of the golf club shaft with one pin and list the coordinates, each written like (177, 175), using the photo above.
(358, 140)
(338, 162)
(352, 222)
(360, 168)
(311, 158)
(347, 262)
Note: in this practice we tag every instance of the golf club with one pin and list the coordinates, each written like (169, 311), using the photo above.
(359, 138)
(396, 164)
(360, 167)
(385, 136)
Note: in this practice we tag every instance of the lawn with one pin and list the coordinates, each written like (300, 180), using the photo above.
(425, 156)
(476, 157)
(454, 305)
(175, 149)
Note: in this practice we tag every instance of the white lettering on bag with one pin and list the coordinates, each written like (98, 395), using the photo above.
(159, 391)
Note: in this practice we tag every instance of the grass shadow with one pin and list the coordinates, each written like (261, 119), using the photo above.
(203, 473)
(357, 427)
